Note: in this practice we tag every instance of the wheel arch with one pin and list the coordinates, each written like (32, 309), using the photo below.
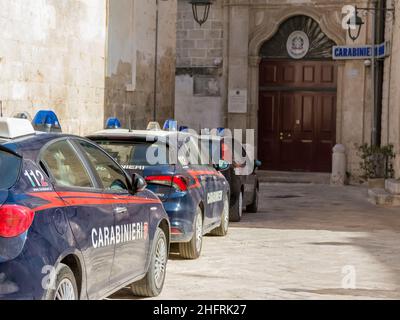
(203, 209)
(73, 262)
(165, 227)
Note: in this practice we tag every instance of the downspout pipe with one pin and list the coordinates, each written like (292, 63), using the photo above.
(380, 24)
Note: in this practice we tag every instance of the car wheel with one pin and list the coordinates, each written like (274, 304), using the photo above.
(236, 212)
(65, 287)
(153, 283)
(253, 208)
(192, 249)
(222, 230)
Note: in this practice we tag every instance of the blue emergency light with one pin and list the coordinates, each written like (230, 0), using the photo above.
(221, 132)
(113, 123)
(171, 125)
(46, 121)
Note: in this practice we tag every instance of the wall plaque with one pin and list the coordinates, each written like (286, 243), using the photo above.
(237, 101)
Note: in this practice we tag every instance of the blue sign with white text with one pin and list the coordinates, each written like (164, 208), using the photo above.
(360, 52)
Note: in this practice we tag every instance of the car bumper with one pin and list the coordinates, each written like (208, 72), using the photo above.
(19, 281)
(181, 211)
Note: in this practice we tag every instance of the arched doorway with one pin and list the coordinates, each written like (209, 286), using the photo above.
(297, 98)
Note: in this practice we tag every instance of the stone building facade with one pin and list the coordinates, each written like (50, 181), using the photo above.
(301, 106)
(131, 49)
(86, 60)
(199, 68)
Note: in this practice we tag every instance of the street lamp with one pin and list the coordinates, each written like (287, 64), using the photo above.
(381, 15)
(201, 10)
(355, 23)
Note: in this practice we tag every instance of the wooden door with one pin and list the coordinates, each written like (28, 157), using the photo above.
(297, 115)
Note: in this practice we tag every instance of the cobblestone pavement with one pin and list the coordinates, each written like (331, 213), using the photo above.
(306, 242)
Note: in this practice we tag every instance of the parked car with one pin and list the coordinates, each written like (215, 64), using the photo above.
(195, 195)
(241, 173)
(73, 224)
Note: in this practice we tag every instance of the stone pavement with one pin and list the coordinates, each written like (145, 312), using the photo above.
(307, 242)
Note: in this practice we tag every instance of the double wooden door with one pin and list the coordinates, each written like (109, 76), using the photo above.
(297, 115)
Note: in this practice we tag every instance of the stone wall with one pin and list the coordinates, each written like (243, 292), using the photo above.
(246, 25)
(199, 78)
(52, 56)
(131, 61)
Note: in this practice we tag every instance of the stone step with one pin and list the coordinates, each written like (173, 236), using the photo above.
(293, 177)
(381, 197)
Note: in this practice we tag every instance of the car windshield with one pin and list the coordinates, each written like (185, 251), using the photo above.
(136, 154)
(9, 169)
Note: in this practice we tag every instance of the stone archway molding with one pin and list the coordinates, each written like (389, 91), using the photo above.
(329, 22)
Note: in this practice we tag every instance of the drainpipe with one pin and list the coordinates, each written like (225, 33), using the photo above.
(156, 63)
(379, 35)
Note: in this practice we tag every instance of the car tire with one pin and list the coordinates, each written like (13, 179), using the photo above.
(65, 287)
(236, 212)
(253, 207)
(192, 250)
(222, 230)
(152, 284)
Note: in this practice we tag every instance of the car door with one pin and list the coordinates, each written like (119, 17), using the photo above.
(206, 175)
(131, 215)
(88, 214)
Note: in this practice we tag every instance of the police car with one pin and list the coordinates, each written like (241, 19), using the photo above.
(240, 171)
(195, 194)
(73, 225)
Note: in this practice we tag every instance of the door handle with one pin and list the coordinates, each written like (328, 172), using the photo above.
(121, 210)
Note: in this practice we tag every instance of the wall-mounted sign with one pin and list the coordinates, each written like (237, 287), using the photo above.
(237, 101)
(360, 52)
(298, 45)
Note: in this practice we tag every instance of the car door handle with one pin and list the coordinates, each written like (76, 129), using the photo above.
(121, 210)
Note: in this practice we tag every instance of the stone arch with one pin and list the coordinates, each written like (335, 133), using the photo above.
(330, 25)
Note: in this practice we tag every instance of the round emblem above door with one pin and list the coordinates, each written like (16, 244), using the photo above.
(298, 45)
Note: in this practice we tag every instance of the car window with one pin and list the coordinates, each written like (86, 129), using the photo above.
(65, 166)
(112, 177)
(211, 151)
(137, 154)
(9, 169)
(189, 153)
(233, 151)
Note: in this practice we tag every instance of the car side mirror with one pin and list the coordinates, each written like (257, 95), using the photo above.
(222, 165)
(257, 164)
(139, 184)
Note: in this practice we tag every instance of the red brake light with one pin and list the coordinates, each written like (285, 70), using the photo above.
(226, 153)
(178, 182)
(176, 231)
(14, 220)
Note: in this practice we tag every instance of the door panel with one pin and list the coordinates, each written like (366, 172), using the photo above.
(129, 235)
(131, 251)
(297, 115)
(89, 214)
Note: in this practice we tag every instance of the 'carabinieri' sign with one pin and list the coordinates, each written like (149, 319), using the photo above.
(360, 52)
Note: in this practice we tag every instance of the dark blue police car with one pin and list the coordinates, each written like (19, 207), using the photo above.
(73, 225)
(195, 194)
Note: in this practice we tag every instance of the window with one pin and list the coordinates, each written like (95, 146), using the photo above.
(9, 169)
(189, 153)
(111, 176)
(138, 154)
(65, 166)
